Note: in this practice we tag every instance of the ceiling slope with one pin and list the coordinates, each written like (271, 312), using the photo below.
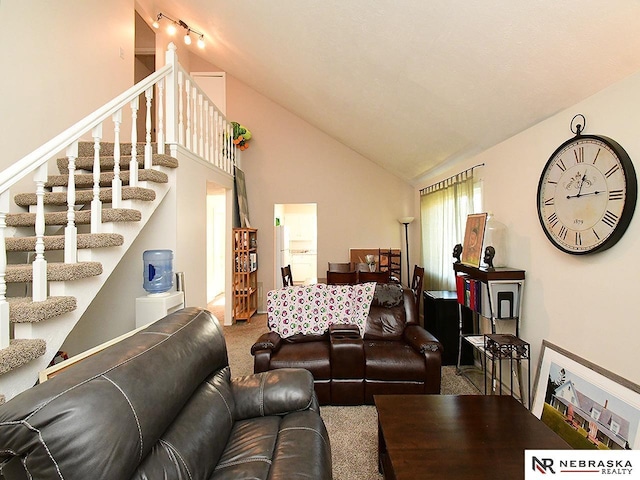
(415, 83)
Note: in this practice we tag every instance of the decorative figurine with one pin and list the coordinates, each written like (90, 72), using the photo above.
(489, 253)
(457, 251)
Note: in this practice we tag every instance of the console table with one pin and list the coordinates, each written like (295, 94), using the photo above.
(495, 294)
(457, 436)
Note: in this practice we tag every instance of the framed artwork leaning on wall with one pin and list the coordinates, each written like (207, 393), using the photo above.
(588, 406)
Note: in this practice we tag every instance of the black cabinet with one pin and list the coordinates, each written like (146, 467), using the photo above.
(441, 318)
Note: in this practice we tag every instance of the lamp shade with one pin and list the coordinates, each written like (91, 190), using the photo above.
(405, 220)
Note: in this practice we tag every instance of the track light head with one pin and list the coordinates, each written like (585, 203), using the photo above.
(172, 28)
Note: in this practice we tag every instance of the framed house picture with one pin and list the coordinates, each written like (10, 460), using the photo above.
(473, 237)
(588, 406)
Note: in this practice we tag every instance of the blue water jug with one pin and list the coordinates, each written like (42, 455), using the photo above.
(158, 270)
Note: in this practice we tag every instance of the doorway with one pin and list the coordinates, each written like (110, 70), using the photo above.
(296, 234)
(144, 65)
(216, 248)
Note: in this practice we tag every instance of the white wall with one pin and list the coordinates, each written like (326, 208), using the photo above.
(290, 161)
(61, 60)
(191, 230)
(585, 304)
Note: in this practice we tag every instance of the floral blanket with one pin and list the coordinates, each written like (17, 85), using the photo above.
(313, 309)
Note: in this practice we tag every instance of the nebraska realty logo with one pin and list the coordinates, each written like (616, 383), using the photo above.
(581, 464)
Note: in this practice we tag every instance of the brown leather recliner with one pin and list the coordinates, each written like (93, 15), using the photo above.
(396, 355)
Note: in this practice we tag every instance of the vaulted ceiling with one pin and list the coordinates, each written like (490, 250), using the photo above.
(411, 84)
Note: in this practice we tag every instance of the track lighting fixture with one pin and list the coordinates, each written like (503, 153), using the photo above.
(172, 27)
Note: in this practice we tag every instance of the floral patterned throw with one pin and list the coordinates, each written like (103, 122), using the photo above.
(312, 309)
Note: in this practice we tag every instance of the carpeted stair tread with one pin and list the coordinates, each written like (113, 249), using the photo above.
(2, 399)
(107, 163)
(25, 310)
(56, 272)
(83, 217)
(20, 352)
(56, 242)
(85, 180)
(85, 196)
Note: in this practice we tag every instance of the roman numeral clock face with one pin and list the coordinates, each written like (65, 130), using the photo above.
(587, 194)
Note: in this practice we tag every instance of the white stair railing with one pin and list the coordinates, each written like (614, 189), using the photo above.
(207, 134)
(96, 203)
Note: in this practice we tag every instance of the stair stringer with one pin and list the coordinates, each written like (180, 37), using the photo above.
(55, 330)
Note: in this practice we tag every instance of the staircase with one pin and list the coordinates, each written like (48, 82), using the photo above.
(74, 229)
(23, 311)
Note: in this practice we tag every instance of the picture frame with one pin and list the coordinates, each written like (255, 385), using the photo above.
(585, 404)
(241, 198)
(473, 238)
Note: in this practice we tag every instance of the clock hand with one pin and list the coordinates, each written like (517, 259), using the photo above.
(584, 194)
(584, 177)
(582, 180)
(591, 193)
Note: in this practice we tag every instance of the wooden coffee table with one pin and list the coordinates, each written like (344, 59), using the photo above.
(457, 436)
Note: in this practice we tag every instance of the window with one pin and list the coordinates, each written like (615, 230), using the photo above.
(444, 208)
(615, 427)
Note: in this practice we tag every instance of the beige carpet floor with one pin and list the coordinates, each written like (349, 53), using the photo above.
(353, 431)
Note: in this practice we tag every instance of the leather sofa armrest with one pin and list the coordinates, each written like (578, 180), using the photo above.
(344, 329)
(267, 341)
(429, 346)
(276, 392)
(421, 340)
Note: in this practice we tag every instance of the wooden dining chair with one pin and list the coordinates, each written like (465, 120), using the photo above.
(339, 267)
(342, 278)
(416, 284)
(287, 279)
(379, 277)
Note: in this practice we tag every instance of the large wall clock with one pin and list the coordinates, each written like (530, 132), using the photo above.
(587, 194)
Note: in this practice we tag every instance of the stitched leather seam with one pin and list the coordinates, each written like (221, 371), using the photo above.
(263, 379)
(243, 461)
(171, 449)
(308, 429)
(135, 415)
(44, 444)
(224, 401)
(87, 380)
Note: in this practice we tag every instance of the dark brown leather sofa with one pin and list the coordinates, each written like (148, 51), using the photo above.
(396, 355)
(161, 405)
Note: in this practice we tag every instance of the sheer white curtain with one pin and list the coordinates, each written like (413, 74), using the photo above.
(443, 209)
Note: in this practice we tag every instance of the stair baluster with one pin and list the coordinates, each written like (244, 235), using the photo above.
(71, 231)
(201, 125)
(133, 164)
(96, 203)
(148, 151)
(117, 181)
(211, 128)
(231, 157)
(188, 129)
(39, 289)
(181, 114)
(218, 137)
(160, 131)
(4, 306)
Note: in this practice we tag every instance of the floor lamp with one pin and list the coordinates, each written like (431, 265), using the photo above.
(406, 221)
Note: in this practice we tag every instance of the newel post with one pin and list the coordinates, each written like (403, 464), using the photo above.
(171, 96)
